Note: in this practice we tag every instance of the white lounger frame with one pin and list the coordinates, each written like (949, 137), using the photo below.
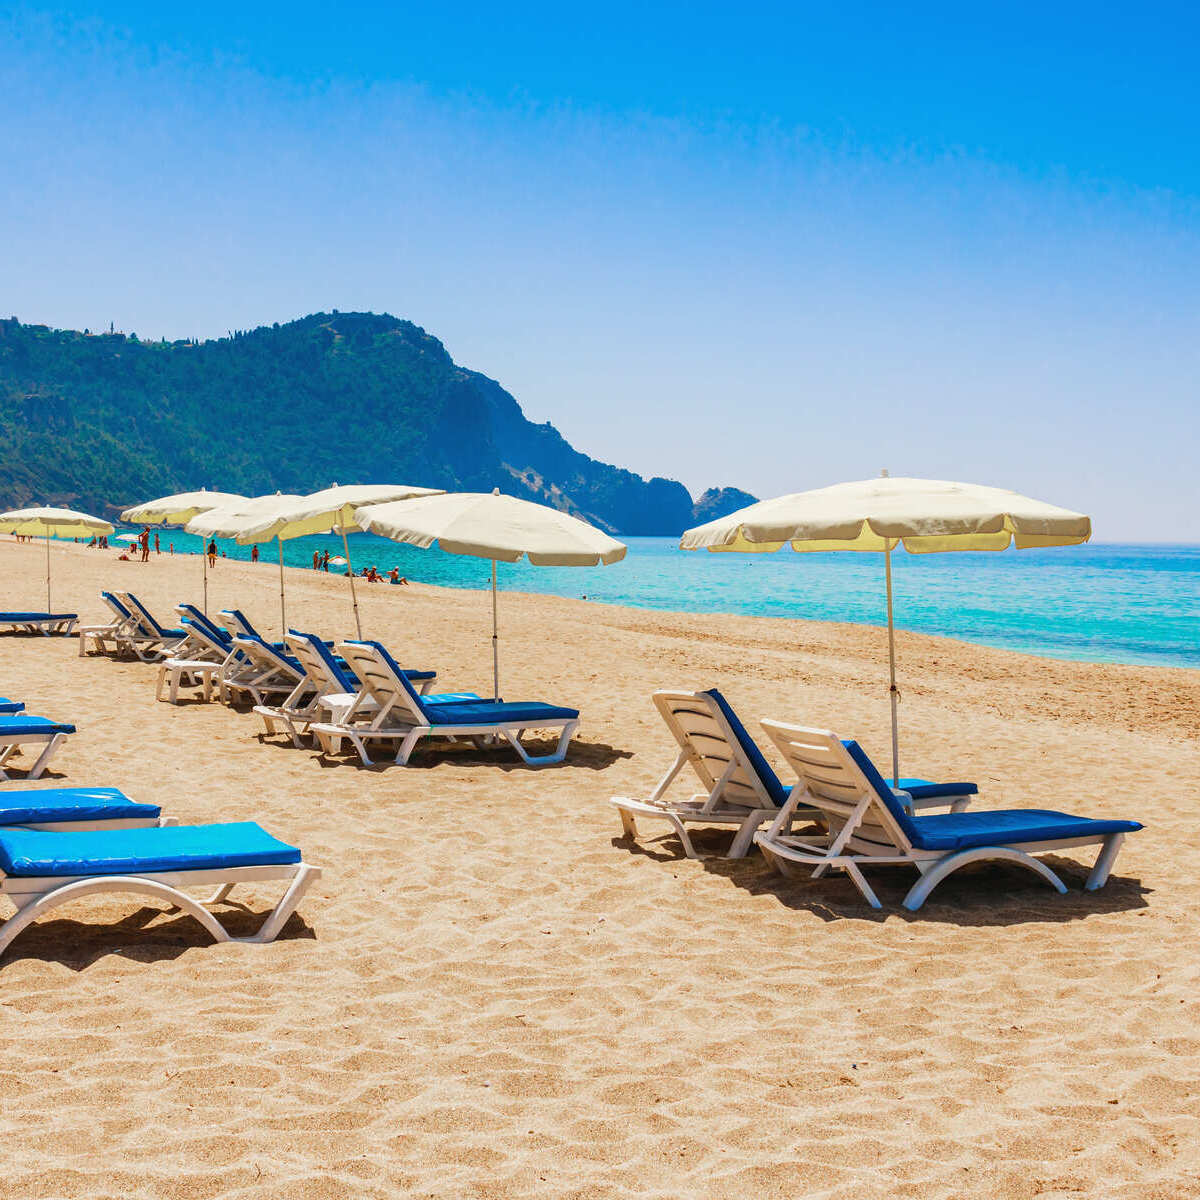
(258, 671)
(101, 635)
(34, 896)
(43, 625)
(9, 748)
(393, 717)
(735, 793)
(141, 637)
(859, 829)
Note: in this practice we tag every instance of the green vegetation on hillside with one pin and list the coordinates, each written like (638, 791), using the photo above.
(100, 421)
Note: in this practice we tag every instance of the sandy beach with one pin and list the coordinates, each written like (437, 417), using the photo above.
(490, 994)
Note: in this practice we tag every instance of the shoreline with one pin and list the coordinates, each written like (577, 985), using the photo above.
(1040, 655)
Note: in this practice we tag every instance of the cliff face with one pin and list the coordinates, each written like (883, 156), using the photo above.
(719, 502)
(103, 421)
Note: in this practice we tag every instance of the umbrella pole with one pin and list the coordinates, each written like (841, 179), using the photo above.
(353, 594)
(48, 608)
(495, 641)
(893, 691)
(204, 560)
(282, 609)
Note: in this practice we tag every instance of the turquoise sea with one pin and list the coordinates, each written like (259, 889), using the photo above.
(1103, 603)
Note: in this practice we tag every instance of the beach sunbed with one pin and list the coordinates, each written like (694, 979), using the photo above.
(259, 670)
(39, 622)
(327, 686)
(200, 660)
(104, 638)
(145, 637)
(77, 808)
(402, 716)
(864, 823)
(42, 870)
(7, 706)
(740, 786)
(205, 639)
(18, 729)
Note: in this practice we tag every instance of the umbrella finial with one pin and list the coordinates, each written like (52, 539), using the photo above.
(495, 491)
(883, 474)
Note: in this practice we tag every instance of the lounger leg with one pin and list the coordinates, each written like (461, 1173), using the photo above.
(744, 838)
(1104, 862)
(46, 755)
(546, 760)
(948, 865)
(861, 883)
(628, 824)
(303, 880)
(405, 749)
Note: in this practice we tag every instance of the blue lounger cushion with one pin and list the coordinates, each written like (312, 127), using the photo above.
(489, 712)
(1002, 827)
(8, 707)
(1009, 826)
(449, 697)
(26, 724)
(474, 712)
(922, 789)
(71, 804)
(36, 852)
(341, 672)
(770, 780)
(214, 631)
(13, 618)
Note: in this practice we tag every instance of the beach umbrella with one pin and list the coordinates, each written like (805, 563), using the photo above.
(332, 511)
(127, 537)
(50, 523)
(339, 561)
(490, 525)
(925, 515)
(176, 511)
(240, 520)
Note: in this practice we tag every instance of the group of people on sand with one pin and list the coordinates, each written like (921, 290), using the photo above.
(320, 562)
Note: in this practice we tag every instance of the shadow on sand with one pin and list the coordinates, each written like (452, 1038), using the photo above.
(983, 894)
(147, 935)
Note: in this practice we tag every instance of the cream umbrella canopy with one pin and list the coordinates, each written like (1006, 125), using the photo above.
(332, 510)
(491, 525)
(241, 521)
(924, 515)
(176, 511)
(52, 522)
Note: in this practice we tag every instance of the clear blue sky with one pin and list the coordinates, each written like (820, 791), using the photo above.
(774, 246)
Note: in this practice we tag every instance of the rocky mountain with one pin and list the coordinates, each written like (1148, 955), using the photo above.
(101, 421)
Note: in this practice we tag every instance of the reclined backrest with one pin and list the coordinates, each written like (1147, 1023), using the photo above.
(191, 612)
(238, 622)
(205, 635)
(319, 664)
(835, 784)
(263, 654)
(715, 741)
(142, 615)
(383, 679)
(121, 610)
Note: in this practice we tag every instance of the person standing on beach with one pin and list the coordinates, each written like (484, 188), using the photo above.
(254, 553)
(212, 553)
(316, 560)
(325, 561)
(144, 539)
(156, 548)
